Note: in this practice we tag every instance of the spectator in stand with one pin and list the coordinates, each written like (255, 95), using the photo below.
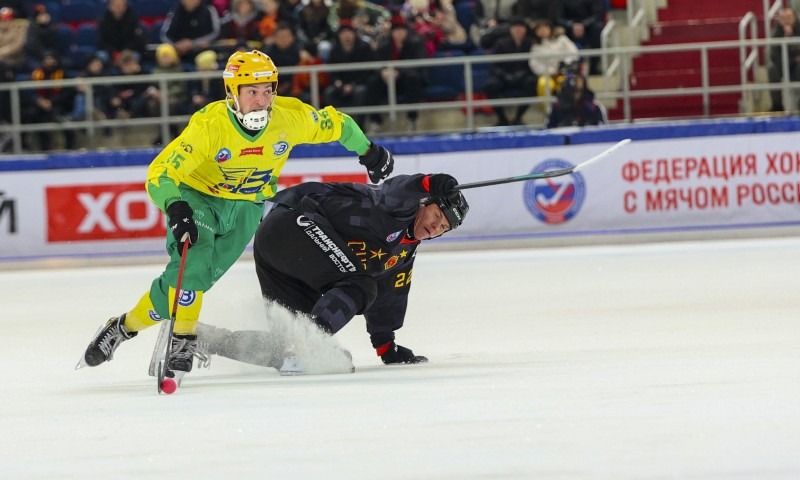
(492, 19)
(50, 104)
(17, 7)
(349, 88)
(206, 90)
(369, 19)
(101, 94)
(13, 35)
(400, 45)
(535, 10)
(241, 25)
(223, 7)
(575, 105)
(168, 62)
(454, 37)
(42, 36)
(313, 27)
(129, 99)
(119, 29)
(512, 78)
(191, 27)
(549, 41)
(284, 51)
(787, 26)
(275, 12)
(583, 21)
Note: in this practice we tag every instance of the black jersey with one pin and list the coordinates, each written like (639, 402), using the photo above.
(374, 221)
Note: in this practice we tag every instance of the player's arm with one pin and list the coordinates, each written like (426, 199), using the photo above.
(176, 161)
(329, 124)
(387, 313)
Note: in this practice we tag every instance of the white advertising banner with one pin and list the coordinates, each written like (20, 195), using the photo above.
(667, 185)
(648, 186)
(106, 210)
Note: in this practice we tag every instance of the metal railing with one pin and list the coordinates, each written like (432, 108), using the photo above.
(623, 94)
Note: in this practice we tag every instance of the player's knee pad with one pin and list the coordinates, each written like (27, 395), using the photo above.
(361, 288)
(345, 299)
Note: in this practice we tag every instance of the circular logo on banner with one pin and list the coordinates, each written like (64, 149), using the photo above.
(554, 200)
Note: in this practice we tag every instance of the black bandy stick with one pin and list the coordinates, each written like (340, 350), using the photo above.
(552, 173)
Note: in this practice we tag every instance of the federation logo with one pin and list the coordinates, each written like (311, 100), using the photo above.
(392, 237)
(154, 316)
(280, 148)
(554, 200)
(187, 298)
(223, 155)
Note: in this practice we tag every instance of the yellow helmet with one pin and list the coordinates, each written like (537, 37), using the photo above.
(248, 67)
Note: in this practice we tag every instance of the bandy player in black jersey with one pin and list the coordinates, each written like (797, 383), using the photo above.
(336, 250)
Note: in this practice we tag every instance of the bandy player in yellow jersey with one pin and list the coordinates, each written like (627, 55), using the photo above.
(211, 181)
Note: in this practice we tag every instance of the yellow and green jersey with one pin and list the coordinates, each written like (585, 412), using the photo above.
(216, 156)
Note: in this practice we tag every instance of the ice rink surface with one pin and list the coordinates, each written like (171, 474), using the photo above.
(659, 361)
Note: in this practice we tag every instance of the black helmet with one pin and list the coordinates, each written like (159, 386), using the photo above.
(455, 208)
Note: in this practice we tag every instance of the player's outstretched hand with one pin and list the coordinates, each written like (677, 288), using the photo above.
(181, 222)
(379, 162)
(394, 353)
(443, 185)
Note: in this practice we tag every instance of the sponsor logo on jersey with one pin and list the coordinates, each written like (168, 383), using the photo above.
(223, 155)
(554, 200)
(393, 236)
(327, 245)
(315, 117)
(391, 262)
(280, 148)
(154, 316)
(252, 151)
(187, 298)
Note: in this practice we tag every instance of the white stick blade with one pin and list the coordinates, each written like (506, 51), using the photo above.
(602, 154)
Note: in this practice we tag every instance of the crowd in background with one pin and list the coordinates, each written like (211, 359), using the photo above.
(197, 35)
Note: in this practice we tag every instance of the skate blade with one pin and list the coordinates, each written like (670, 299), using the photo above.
(81, 363)
(176, 375)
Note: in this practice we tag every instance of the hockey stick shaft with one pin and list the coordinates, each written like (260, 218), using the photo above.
(160, 351)
(548, 174)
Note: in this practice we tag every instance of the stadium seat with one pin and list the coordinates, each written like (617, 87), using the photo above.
(66, 38)
(445, 82)
(86, 35)
(150, 10)
(154, 32)
(78, 13)
(465, 14)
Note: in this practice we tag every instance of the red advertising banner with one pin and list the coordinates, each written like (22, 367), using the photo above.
(124, 211)
(101, 212)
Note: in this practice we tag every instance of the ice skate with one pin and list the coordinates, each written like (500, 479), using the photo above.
(105, 342)
(292, 364)
(183, 350)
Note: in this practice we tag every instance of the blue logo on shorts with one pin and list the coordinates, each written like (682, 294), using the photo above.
(554, 200)
(187, 298)
(154, 316)
(223, 155)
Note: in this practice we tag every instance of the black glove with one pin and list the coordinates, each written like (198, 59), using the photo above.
(181, 222)
(443, 185)
(394, 353)
(379, 162)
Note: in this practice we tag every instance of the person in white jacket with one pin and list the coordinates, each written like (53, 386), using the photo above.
(551, 47)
